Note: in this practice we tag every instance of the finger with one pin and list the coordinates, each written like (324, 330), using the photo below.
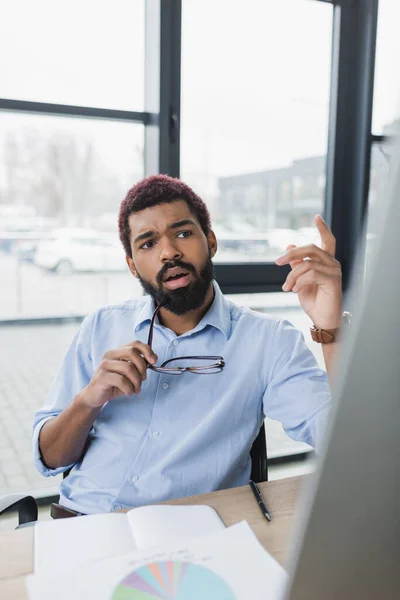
(327, 238)
(302, 252)
(294, 262)
(315, 277)
(121, 383)
(125, 352)
(137, 360)
(130, 355)
(300, 268)
(127, 370)
(146, 351)
(318, 270)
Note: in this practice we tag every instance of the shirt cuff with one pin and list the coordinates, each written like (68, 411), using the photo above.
(37, 457)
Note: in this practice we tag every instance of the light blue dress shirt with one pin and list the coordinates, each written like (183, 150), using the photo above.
(186, 434)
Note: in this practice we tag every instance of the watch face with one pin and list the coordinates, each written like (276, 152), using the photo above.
(347, 317)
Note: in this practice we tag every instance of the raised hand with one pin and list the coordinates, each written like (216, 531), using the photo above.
(316, 276)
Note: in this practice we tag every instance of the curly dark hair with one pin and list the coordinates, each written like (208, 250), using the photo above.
(154, 190)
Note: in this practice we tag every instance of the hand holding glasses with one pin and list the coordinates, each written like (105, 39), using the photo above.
(200, 365)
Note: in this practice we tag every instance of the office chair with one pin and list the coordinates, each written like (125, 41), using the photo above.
(259, 458)
(25, 505)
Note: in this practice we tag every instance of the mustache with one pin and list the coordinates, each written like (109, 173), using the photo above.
(171, 265)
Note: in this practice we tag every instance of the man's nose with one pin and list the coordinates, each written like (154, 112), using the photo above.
(169, 251)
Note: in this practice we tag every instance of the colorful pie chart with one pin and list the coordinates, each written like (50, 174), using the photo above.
(173, 580)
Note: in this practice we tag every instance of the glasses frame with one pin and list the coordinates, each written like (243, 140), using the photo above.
(214, 368)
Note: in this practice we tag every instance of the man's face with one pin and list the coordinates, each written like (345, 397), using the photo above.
(171, 256)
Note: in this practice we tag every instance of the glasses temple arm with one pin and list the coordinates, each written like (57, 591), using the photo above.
(150, 338)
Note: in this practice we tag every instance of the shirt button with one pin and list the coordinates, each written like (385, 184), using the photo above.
(176, 342)
(156, 433)
(165, 386)
(134, 479)
(117, 507)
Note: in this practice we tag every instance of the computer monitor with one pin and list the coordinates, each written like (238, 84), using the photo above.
(350, 524)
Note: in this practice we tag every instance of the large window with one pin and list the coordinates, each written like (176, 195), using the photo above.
(255, 99)
(235, 98)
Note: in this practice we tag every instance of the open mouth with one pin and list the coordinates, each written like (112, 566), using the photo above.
(176, 278)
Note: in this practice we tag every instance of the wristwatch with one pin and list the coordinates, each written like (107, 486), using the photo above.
(327, 336)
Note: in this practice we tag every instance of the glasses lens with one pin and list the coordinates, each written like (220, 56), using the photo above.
(205, 371)
(167, 371)
(200, 365)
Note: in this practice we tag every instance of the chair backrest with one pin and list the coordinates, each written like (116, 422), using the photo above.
(259, 458)
(25, 505)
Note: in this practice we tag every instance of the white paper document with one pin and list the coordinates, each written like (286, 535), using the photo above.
(66, 543)
(228, 565)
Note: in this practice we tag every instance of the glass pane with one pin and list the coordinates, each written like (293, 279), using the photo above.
(282, 306)
(255, 118)
(380, 164)
(84, 53)
(387, 73)
(61, 183)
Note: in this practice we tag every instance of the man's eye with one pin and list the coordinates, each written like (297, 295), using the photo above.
(184, 234)
(147, 245)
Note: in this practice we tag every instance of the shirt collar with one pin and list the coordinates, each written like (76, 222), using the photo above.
(218, 315)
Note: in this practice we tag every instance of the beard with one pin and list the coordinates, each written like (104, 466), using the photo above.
(185, 299)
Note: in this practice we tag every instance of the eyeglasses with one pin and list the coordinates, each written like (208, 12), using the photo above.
(204, 365)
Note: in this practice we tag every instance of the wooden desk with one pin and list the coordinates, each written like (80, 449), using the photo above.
(16, 547)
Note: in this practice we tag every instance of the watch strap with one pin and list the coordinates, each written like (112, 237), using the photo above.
(327, 336)
(323, 336)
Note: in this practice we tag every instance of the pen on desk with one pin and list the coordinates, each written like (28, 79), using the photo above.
(260, 501)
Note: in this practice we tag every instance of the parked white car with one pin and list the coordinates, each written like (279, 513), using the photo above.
(73, 250)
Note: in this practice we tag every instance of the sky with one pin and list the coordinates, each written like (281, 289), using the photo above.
(255, 77)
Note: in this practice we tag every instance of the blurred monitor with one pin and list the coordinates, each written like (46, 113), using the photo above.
(350, 526)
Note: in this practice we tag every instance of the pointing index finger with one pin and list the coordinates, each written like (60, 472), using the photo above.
(327, 238)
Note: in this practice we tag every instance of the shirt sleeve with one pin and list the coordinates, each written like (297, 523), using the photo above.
(74, 374)
(298, 393)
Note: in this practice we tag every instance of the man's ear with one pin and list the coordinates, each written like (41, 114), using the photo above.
(131, 265)
(212, 243)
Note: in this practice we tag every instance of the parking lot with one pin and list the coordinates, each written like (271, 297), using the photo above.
(28, 291)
